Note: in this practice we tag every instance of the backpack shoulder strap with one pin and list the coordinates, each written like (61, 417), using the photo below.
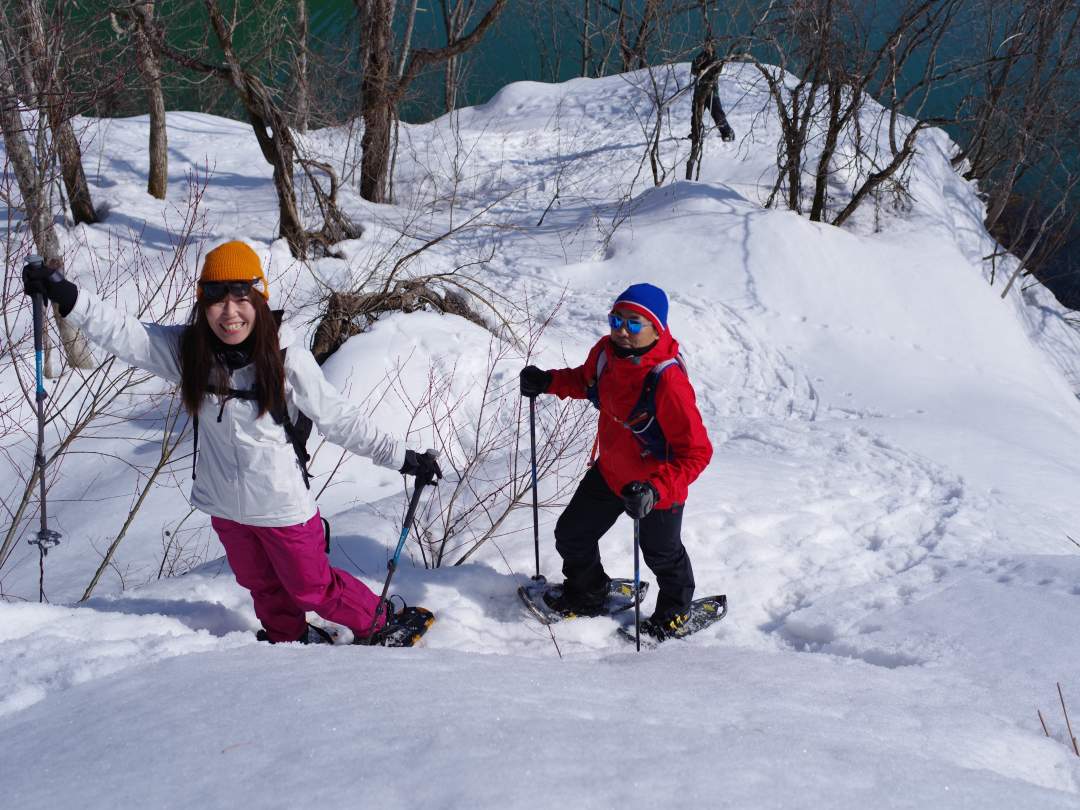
(657, 371)
(297, 432)
(592, 388)
(652, 380)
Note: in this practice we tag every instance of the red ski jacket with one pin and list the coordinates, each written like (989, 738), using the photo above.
(620, 455)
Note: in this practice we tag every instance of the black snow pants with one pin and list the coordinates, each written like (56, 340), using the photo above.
(591, 512)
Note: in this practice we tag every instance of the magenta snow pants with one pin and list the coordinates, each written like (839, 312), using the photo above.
(288, 573)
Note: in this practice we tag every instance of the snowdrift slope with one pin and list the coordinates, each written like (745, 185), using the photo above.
(887, 511)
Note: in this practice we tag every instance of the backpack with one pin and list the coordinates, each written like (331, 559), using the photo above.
(642, 420)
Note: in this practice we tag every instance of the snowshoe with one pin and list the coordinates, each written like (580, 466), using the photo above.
(703, 613)
(402, 629)
(544, 600)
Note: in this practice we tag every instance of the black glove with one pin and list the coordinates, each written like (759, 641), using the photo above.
(45, 279)
(422, 465)
(534, 381)
(639, 498)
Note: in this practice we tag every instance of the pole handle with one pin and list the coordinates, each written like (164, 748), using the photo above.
(32, 263)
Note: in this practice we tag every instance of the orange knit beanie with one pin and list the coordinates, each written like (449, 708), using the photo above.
(235, 261)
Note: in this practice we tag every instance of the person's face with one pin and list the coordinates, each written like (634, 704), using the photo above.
(624, 335)
(231, 318)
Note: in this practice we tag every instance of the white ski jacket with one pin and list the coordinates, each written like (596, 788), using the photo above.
(246, 469)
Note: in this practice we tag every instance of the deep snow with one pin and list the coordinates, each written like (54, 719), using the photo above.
(887, 509)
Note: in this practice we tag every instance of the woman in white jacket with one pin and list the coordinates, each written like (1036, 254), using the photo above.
(239, 373)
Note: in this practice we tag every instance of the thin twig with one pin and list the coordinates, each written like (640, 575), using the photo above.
(1068, 725)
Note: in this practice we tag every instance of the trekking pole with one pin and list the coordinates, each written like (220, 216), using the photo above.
(536, 508)
(637, 583)
(45, 538)
(391, 565)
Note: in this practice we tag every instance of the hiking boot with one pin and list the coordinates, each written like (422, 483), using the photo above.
(312, 635)
(669, 625)
(316, 635)
(572, 602)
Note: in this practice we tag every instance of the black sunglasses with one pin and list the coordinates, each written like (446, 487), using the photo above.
(214, 291)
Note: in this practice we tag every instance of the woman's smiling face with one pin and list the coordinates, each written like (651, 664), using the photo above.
(231, 319)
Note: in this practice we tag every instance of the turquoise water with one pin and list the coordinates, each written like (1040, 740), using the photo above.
(511, 51)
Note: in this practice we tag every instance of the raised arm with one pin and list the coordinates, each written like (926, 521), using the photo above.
(149, 346)
(337, 419)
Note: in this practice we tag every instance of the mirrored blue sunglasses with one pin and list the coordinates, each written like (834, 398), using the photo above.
(617, 322)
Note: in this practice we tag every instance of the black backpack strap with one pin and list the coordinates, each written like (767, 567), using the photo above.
(299, 443)
(652, 380)
(297, 437)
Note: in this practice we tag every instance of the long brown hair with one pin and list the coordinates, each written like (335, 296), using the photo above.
(203, 371)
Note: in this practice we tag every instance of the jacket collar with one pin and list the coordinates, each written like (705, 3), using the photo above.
(665, 349)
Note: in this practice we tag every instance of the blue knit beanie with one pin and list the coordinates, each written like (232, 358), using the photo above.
(646, 300)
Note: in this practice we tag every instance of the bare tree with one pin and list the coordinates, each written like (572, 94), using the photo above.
(33, 171)
(139, 18)
(1021, 126)
(91, 406)
(275, 138)
(456, 15)
(300, 47)
(382, 92)
(49, 93)
(480, 451)
(843, 55)
(32, 183)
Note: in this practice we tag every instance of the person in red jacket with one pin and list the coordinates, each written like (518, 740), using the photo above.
(652, 445)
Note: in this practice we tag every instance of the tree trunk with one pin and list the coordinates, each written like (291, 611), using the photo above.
(586, 40)
(32, 189)
(271, 131)
(30, 184)
(291, 227)
(451, 84)
(378, 104)
(837, 121)
(406, 43)
(303, 102)
(150, 69)
(455, 17)
(51, 91)
(381, 93)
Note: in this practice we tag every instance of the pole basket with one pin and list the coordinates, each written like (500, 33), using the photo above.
(45, 539)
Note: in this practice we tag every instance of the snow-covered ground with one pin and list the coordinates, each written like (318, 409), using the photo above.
(888, 507)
